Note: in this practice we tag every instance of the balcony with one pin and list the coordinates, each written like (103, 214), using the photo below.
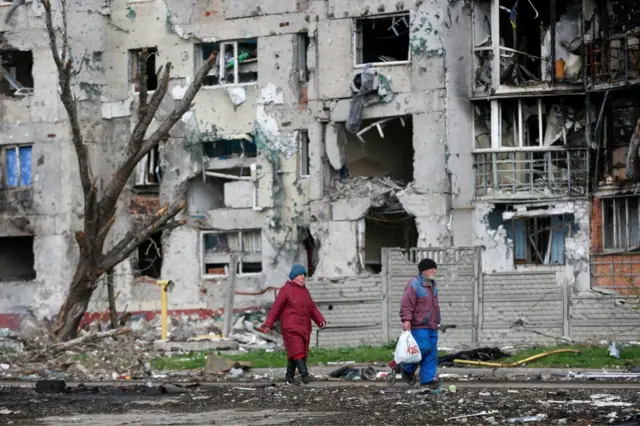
(535, 172)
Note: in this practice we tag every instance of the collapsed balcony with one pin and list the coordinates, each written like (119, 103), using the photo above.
(613, 44)
(530, 147)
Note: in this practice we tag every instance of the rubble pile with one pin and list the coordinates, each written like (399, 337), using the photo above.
(126, 353)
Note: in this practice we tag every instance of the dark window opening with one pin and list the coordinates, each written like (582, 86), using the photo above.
(230, 148)
(382, 148)
(303, 153)
(311, 249)
(383, 39)
(150, 256)
(17, 73)
(303, 42)
(17, 260)
(250, 268)
(387, 226)
(151, 76)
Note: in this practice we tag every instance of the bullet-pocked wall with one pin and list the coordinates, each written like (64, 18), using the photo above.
(262, 152)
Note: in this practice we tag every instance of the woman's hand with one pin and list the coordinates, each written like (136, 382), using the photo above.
(323, 324)
(264, 329)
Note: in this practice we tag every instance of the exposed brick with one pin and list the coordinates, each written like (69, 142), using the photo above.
(143, 204)
(620, 272)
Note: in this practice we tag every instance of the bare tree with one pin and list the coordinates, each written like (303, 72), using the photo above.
(100, 205)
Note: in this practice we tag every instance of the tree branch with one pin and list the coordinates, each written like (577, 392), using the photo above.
(143, 84)
(138, 148)
(161, 221)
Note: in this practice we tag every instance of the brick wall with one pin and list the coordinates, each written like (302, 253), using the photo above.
(620, 272)
(142, 204)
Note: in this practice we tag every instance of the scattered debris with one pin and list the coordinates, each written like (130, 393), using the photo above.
(614, 350)
(353, 373)
(528, 419)
(481, 414)
(480, 354)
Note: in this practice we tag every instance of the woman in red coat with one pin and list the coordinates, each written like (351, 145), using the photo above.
(295, 309)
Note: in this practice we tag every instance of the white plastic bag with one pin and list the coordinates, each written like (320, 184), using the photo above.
(407, 350)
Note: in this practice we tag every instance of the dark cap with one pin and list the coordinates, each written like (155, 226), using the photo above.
(426, 264)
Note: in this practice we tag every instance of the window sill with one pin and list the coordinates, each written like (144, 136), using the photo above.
(230, 86)
(147, 189)
(382, 64)
(219, 277)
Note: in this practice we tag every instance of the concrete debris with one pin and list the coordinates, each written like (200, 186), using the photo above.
(377, 189)
(528, 419)
(238, 95)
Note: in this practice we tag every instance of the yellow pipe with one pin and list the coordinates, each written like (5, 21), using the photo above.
(164, 303)
(517, 363)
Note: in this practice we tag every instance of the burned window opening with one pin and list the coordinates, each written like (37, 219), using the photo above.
(387, 226)
(17, 73)
(237, 62)
(150, 256)
(310, 249)
(613, 43)
(217, 248)
(223, 188)
(148, 171)
(621, 223)
(382, 148)
(17, 260)
(538, 238)
(134, 68)
(380, 40)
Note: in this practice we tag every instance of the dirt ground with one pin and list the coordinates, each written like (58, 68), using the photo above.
(265, 404)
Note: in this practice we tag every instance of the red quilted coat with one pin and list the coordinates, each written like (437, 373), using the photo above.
(295, 309)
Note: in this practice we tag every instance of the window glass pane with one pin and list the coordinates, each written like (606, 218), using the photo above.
(634, 223)
(25, 166)
(12, 167)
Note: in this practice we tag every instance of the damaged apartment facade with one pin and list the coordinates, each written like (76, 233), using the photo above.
(327, 132)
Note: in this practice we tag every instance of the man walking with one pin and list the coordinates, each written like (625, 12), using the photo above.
(420, 313)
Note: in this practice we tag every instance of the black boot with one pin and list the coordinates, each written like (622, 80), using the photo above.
(302, 368)
(289, 377)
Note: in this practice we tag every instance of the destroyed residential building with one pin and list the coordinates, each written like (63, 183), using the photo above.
(355, 138)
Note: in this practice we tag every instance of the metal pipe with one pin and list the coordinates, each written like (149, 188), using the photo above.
(164, 303)
(516, 363)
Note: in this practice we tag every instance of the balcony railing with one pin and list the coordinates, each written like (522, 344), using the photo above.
(531, 172)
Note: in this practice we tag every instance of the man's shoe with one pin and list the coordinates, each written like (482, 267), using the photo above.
(289, 377)
(304, 372)
(433, 384)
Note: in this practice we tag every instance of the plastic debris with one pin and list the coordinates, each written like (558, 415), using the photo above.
(614, 350)
(528, 419)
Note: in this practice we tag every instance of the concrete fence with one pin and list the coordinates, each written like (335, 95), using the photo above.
(509, 308)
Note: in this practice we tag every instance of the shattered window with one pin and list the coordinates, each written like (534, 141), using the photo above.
(17, 73)
(303, 153)
(230, 148)
(217, 247)
(148, 172)
(380, 40)
(621, 223)
(134, 68)
(237, 62)
(17, 259)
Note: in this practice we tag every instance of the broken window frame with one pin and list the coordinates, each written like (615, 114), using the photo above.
(144, 171)
(253, 178)
(20, 182)
(620, 204)
(357, 40)
(134, 67)
(304, 159)
(19, 88)
(551, 153)
(242, 255)
(530, 231)
(218, 71)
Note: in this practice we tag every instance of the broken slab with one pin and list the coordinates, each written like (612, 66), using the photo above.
(220, 345)
(350, 209)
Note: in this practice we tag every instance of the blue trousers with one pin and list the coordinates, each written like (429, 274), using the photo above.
(428, 343)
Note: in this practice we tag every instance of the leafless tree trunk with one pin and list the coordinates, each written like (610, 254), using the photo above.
(100, 206)
(113, 312)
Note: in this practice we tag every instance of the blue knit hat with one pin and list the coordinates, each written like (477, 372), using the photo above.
(296, 270)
